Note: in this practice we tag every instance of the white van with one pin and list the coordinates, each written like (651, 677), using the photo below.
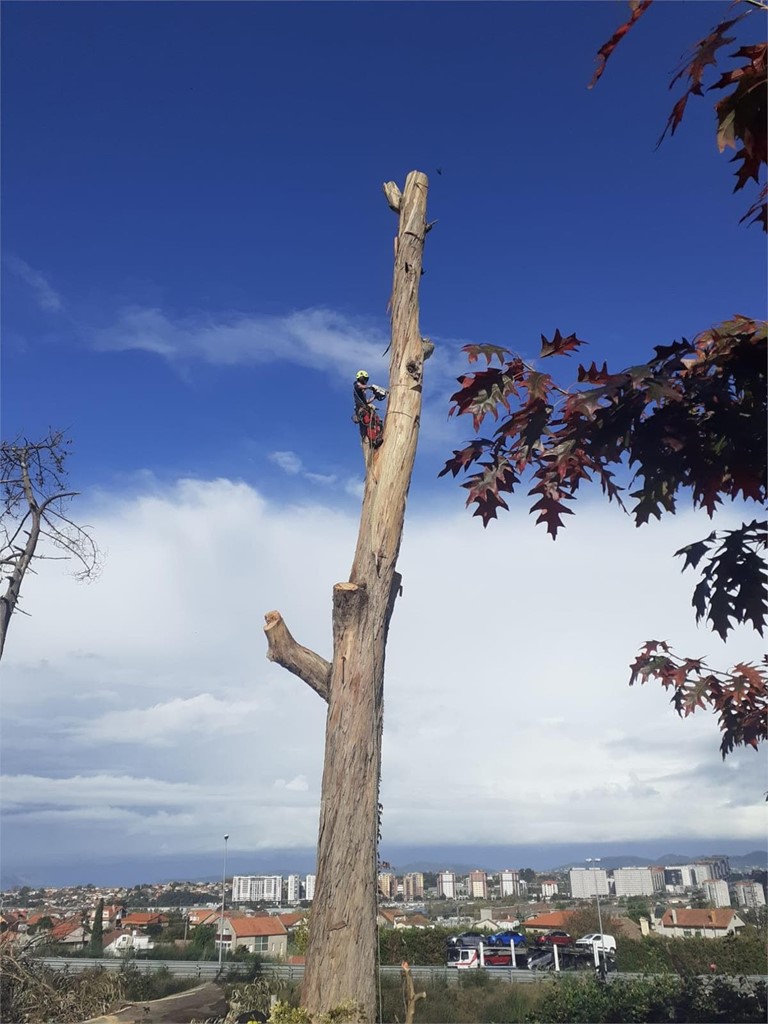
(605, 943)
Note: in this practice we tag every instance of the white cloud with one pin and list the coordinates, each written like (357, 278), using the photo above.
(317, 339)
(507, 707)
(171, 722)
(289, 462)
(47, 298)
(296, 785)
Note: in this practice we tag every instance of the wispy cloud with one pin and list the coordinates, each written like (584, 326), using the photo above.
(291, 464)
(317, 339)
(47, 298)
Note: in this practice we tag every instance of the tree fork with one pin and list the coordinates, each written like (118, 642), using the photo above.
(342, 951)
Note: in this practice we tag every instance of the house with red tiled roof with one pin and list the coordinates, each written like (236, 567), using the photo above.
(41, 915)
(265, 935)
(143, 919)
(209, 917)
(111, 915)
(72, 933)
(388, 918)
(291, 921)
(545, 922)
(706, 924)
(413, 921)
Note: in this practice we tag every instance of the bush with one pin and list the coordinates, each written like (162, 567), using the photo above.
(33, 993)
(736, 954)
(462, 1001)
(651, 1000)
(426, 947)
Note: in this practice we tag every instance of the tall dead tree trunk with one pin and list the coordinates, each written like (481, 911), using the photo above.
(32, 508)
(341, 957)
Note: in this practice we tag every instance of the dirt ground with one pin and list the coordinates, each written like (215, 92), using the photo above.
(195, 1004)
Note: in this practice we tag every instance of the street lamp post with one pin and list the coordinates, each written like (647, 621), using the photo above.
(595, 861)
(223, 894)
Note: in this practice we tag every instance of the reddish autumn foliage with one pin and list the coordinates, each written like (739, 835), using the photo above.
(739, 697)
(690, 421)
(742, 114)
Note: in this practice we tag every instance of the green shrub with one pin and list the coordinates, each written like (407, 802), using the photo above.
(736, 954)
(650, 1000)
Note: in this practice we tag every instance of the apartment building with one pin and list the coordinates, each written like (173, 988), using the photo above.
(413, 886)
(749, 894)
(549, 888)
(293, 891)
(387, 885)
(254, 888)
(716, 892)
(588, 882)
(477, 885)
(509, 882)
(309, 887)
(446, 885)
(633, 881)
(716, 867)
(685, 876)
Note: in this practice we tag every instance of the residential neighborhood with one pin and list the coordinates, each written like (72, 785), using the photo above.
(259, 914)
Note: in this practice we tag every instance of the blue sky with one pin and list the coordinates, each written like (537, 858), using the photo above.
(196, 259)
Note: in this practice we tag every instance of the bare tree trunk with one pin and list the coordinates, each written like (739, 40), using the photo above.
(342, 954)
(32, 502)
(20, 556)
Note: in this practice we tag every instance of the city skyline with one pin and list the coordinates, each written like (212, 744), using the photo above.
(405, 859)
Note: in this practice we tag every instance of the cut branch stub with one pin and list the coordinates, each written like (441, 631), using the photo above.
(285, 651)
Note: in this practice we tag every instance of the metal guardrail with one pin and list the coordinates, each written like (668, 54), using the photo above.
(208, 970)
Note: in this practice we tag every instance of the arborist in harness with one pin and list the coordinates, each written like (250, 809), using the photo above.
(365, 415)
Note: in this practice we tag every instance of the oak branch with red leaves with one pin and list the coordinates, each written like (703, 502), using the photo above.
(741, 114)
(690, 422)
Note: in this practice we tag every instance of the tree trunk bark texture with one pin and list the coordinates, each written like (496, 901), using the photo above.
(342, 953)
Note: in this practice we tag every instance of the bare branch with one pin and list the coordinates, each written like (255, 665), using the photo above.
(33, 497)
(285, 651)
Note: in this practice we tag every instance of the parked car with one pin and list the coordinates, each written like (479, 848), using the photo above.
(472, 939)
(554, 938)
(506, 938)
(605, 943)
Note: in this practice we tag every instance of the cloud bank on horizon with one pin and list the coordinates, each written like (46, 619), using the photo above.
(141, 708)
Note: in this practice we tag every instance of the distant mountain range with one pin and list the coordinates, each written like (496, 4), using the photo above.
(135, 870)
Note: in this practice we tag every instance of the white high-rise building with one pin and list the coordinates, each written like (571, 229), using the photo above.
(588, 882)
(477, 884)
(549, 888)
(716, 892)
(749, 894)
(293, 894)
(687, 876)
(446, 885)
(309, 887)
(257, 888)
(509, 882)
(633, 881)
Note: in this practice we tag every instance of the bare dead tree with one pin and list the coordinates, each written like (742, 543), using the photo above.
(35, 505)
(341, 956)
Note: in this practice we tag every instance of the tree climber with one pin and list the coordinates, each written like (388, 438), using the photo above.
(365, 415)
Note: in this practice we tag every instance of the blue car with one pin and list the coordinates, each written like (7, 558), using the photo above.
(506, 938)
